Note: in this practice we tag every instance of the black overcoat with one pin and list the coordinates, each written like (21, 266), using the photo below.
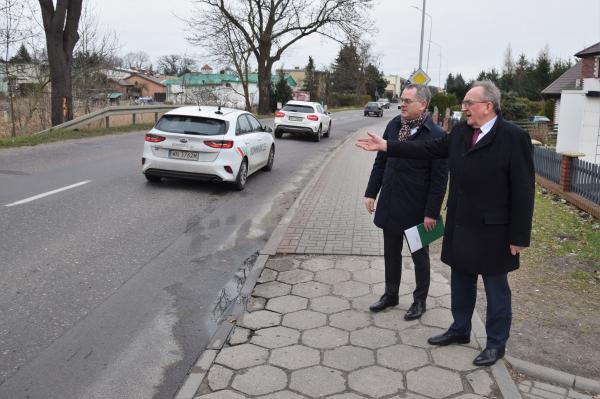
(409, 189)
(490, 202)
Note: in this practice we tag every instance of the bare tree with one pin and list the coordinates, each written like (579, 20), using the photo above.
(61, 28)
(169, 64)
(270, 27)
(13, 32)
(137, 60)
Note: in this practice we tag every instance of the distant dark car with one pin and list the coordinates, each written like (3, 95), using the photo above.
(539, 119)
(373, 108)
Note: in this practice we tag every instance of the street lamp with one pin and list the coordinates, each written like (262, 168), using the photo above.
(430, 29)
(440, 69)
(422, 31)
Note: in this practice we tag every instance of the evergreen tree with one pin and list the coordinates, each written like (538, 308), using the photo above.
(541, 73)
(375, 83)
(22, 56)
(310, 83)
(346, 70)
(283, 92)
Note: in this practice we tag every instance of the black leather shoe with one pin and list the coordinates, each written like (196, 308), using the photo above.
(489, 357)
(415, 311)
(386, 301)
(449, 338)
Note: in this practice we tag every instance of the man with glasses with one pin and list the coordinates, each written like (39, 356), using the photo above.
(490, 209)
(410, 192)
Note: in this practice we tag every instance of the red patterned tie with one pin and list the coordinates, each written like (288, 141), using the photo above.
(476, 134)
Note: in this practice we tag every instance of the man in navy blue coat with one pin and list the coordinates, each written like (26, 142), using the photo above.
(411, 192)
(490, 210)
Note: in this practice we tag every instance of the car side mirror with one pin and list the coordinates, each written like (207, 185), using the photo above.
(398, 107)
(267, 129)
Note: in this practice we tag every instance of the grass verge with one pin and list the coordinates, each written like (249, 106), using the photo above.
(65, 134)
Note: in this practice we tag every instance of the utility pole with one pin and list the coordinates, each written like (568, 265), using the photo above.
(422, 33)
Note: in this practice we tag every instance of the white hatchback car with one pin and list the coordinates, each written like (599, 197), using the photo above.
(207, 143)
(303, 117)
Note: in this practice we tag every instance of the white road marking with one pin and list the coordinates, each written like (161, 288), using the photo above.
(58, 190)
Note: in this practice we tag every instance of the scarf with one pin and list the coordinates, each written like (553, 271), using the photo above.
(407, 126)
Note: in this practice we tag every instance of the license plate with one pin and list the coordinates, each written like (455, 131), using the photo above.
(296, 118)
(185, 155)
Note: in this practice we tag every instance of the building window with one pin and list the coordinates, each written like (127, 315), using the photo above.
(227, 84)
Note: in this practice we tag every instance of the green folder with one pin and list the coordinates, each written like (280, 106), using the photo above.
(417, 237)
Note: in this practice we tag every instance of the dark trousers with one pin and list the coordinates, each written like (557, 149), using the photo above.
(498, 315)
(392, 254)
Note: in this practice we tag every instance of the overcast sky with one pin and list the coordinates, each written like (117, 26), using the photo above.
(471, 34)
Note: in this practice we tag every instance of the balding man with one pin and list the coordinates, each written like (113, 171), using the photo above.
(490, 209)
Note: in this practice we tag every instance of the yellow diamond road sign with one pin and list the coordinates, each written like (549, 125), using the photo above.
(420, 77)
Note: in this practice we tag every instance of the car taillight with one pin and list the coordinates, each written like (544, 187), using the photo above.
(219, 143)
(154, 138)
(312, 117)
(279, 114)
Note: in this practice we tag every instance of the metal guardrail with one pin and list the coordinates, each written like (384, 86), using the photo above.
(547, 163)
(108, 112)
(585, 180)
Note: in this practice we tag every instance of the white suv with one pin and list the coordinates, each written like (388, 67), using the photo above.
(303, 117)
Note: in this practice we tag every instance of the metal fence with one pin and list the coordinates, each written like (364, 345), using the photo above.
(547, 163)
(585, 180)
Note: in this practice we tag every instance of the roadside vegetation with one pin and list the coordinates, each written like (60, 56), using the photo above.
(65, 134)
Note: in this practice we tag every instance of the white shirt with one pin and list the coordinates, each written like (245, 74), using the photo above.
(413, 130)
(485, 129)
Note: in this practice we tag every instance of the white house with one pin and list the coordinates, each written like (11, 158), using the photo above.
(577, 111)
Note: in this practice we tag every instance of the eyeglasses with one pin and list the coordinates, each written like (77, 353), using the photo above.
(469, 103)
(408, 101)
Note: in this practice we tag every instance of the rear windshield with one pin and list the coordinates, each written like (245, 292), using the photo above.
(305, 109)
(192, 125)
(372, 105)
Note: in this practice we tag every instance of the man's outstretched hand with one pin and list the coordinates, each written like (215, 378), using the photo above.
(372, 143)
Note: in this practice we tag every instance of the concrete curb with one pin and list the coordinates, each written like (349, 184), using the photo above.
(218, 339)
(554, 376)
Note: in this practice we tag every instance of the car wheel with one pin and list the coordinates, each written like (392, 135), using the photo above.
(328, 131)
(240, 180)
(269, 166)
(366, 114)
(381, 114)
(319, 134)
(278, 134)
(152, 178)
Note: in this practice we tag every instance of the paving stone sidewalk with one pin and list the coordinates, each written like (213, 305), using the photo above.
(307, 331)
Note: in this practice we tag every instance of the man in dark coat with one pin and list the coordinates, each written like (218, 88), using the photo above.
(411, 192)
(490, 209)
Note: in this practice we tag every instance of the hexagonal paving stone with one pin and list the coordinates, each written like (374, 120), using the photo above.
(304, 320)
(444, 301)
(332, 276)
(405, 288)
(351, 264)
(434, 382)
(259, 319)
(295, 276)
(218, 377)
(295, 357)
(393, 319)
(271, 289)
(373, 337)
(325, 338)
(239, 336)
(242, 356)
(481, 382)
(311, 289)
(275, 337)
(369, 276)
(317, 264)
(351, 289)
(287, 304)
(282, 264)
(362, 303)
(348, 358)
(375, 381)
(438, 317)
(350, 320)
(317, 381)
(260, 380)
(282, 395)
(329, 304)
(402, 357)
(222, 395)
(346, 396)
(473, 396)
(455, 357)
(378, 264)
(267, 275)
(438, 289)
(255, 304)
(417, 336)
(438, 277)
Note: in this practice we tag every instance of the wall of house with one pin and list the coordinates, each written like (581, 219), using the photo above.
(148, 87)
(232, 97)
(579, 127)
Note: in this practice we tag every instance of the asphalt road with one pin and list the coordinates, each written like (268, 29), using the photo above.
(111, 288)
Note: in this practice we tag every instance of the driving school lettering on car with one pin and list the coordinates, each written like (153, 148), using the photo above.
(243, 151)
